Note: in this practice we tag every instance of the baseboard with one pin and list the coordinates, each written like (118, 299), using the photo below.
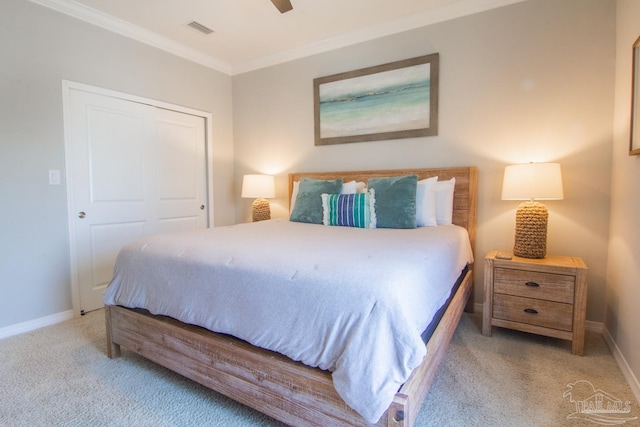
(477, 307)
(596, 327)
(622, 364)
(31, 325)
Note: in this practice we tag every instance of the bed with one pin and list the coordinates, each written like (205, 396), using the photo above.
(270, 382)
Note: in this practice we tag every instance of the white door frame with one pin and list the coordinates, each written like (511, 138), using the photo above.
(67, 86)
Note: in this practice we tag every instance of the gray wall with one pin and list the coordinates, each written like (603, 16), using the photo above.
(623, 289)
(528, 82)
(39, 48)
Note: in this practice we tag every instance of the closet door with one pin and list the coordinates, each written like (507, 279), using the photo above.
(180, 171)
(133, 170)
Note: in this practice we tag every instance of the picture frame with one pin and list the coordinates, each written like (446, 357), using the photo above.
(634, 135)
(383, 102)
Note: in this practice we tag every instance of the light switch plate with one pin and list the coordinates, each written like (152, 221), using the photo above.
(54, 177)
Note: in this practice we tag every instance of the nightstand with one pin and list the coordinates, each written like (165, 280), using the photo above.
(545, 296)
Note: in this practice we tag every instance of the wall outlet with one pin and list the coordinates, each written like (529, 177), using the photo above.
(54, 177)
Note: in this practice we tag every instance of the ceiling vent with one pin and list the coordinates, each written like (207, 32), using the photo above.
(199, 27)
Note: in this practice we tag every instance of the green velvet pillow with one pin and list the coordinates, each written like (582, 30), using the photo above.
(308, 207)
(395, 201)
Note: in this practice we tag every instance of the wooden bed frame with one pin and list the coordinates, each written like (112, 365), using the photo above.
(271, 383)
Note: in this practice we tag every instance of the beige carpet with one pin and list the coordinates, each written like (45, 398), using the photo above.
(60, 376)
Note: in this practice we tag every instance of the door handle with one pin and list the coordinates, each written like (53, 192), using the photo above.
(201, 207)
(81, 214)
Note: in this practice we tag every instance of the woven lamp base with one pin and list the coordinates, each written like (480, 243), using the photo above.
(531, 230)
(260, 210)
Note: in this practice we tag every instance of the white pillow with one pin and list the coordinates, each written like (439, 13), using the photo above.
(353, 187)
(444, 201)
(294, 195)
(350, 187)
(426, 202)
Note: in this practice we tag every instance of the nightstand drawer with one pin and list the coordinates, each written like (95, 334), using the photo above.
(533, 312)
(531, 284)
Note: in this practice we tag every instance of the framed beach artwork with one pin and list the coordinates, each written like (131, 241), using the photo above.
(389, 101)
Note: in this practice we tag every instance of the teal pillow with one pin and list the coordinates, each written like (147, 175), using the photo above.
(308, 207)
(395, 201)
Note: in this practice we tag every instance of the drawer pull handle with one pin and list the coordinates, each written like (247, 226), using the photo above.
(531, 311)
(532, 284)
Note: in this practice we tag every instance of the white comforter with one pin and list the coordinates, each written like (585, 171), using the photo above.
(351, 301)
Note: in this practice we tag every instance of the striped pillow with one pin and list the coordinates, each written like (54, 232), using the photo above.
(349, 210)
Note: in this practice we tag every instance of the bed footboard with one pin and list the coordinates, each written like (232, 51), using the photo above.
(267, 381)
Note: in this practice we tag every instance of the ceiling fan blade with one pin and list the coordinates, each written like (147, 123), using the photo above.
(282, 5)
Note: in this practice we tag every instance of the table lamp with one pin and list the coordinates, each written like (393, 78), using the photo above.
(260, 187)
(531, 182)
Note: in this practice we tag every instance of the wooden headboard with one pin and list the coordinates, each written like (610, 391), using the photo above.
(465, 193)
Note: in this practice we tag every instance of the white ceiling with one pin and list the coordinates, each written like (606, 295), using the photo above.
(251, 34)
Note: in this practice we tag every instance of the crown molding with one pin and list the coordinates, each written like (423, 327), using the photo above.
(445, 13)
(118, 26)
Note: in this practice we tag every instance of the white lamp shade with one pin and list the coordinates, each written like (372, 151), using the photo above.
(532, 181)
(258, 186)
